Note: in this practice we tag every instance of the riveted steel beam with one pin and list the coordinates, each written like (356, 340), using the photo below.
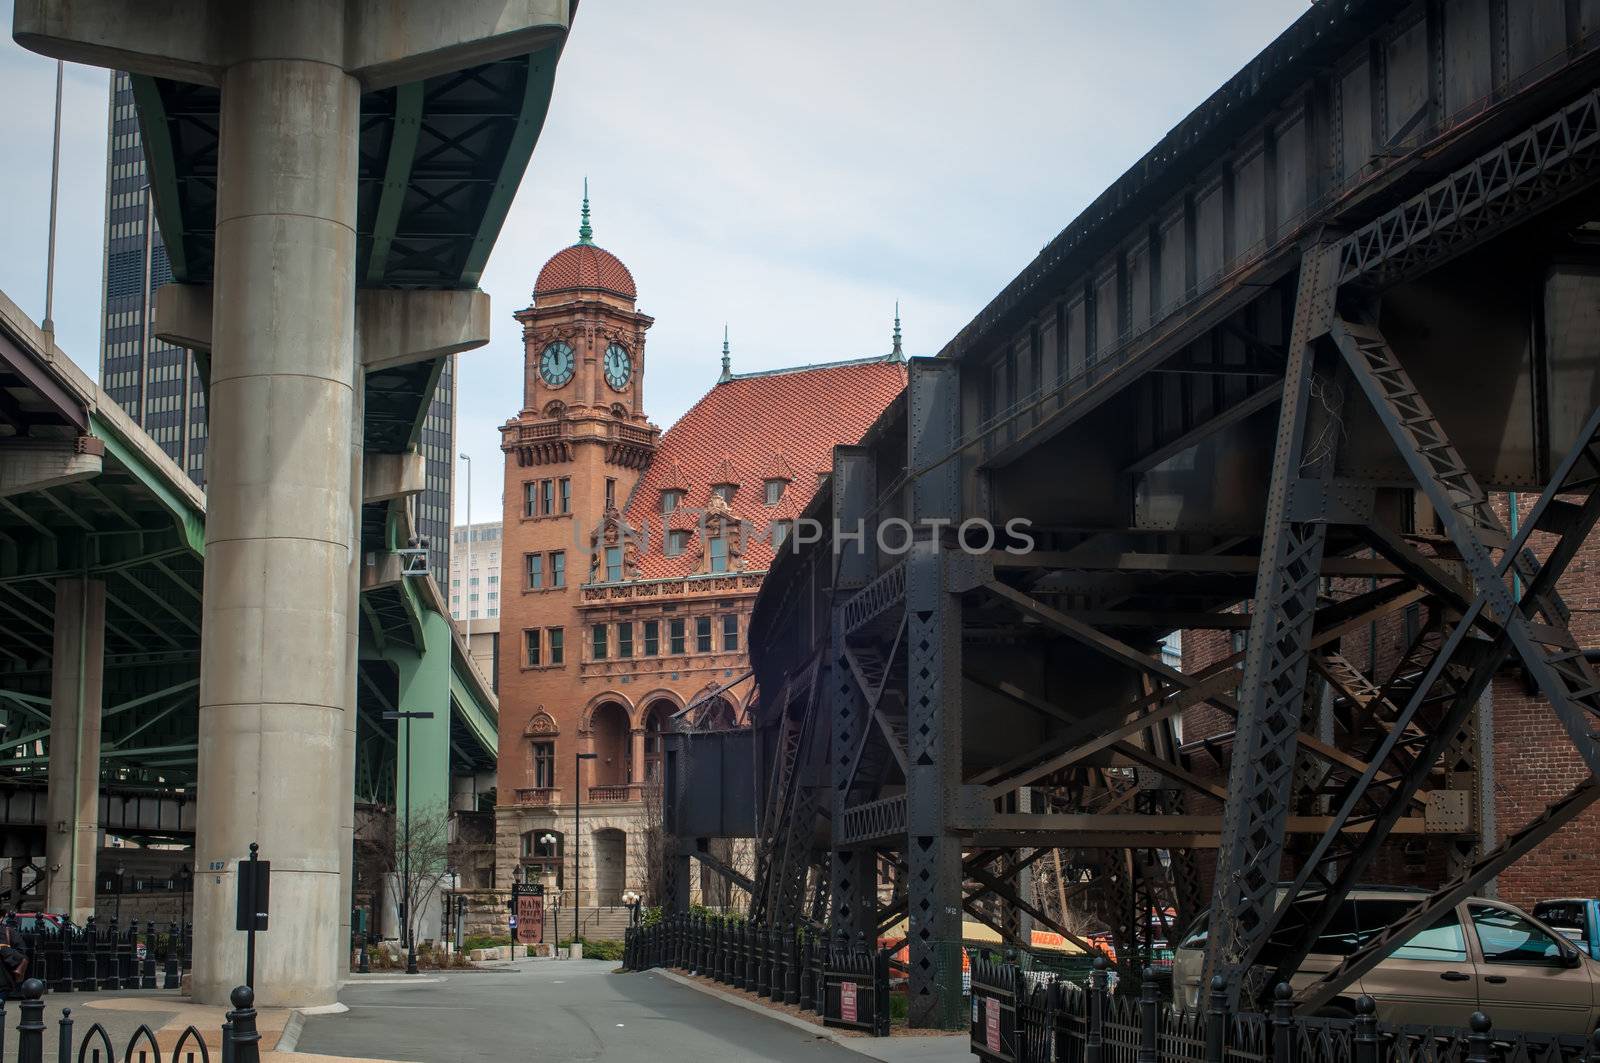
(1272, 691)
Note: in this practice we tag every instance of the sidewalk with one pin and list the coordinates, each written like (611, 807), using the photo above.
(954, 1047)
(169, 1016)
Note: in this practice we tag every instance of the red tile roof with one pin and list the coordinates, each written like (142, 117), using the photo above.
(585, 267)
(760, 426)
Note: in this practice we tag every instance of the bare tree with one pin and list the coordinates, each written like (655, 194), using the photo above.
(427, 845)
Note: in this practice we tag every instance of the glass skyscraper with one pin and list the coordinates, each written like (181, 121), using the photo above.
(159, 386)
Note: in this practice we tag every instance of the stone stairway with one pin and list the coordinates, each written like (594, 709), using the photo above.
(594, 924)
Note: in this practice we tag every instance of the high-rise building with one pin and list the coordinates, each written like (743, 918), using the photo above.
(160, 386)
(475, 572)
(156, 383)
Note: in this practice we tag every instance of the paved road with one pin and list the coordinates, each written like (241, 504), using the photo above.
(556, 1010)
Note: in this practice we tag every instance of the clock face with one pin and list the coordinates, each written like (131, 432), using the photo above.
(555, 364)
(619, 367)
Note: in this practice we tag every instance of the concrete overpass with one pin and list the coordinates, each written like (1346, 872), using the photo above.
(92, 510)
(330, 177)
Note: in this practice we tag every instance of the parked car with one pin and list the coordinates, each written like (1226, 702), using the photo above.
(1482, 955)
(1578, 918)
(46, 922)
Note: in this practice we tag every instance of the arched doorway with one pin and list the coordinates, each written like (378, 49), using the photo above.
(610, 866)
(657, 721)
(716, 714)
(608, 728)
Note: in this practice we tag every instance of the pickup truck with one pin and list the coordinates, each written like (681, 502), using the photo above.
(1578, 919)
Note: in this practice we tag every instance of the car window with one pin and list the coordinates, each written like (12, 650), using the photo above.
(1352, 924)
(1196, 937)
(1566, 917)
(1443, 941)
(1507, 937)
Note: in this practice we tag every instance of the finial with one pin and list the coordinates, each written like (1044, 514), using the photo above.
(897, 354)
(727, 359)
(585, 233)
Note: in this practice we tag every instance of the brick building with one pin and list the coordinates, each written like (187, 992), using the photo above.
(1531, 761)
(630, 559)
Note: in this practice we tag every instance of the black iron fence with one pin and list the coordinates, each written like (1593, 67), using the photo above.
(844, 981)
(1025, 1017)
(241, 1042)
(92, 958)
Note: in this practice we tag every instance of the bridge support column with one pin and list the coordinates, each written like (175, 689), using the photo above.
(1272, 692)
(352, 670)
(72, 833)
(933, 856)
(934, 709)
(422, 771)
(273, 684)
(853, 872)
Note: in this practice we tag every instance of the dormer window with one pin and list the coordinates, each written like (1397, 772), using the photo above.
(724, 491)
(677, 542)
(671, 500)
(774, 489)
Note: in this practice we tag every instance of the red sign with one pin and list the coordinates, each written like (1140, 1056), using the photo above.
(530, 919)
(992, 1023)
(847, 1001)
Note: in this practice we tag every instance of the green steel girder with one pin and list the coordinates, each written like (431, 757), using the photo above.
(439, 162)
(190, 519)
(480, 723)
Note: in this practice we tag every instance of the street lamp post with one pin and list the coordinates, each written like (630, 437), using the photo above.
(577, 841)
(185, 877)
(405, 874)
(632, 900)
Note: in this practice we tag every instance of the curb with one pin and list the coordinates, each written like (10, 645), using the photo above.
(750, 1005)
(291, 1032)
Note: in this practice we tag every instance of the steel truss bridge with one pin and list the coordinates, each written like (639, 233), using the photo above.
(1262, 386)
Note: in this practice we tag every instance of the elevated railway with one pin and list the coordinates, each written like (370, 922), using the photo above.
(1264, 385)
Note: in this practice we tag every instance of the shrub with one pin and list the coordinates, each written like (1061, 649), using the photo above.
(601, 949)
(484, 942)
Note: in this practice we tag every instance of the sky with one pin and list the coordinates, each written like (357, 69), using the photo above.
(787, 170)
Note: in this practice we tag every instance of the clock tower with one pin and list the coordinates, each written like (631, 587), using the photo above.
(573, 453)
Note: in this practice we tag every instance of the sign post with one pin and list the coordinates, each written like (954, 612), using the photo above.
(255, 877)
(527, 914)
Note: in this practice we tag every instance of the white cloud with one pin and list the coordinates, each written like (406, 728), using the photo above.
(791, 170)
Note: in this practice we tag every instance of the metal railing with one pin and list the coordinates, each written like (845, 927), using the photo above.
(1020, 1016)
(241, 1042)
(95, 958)
(844, 982)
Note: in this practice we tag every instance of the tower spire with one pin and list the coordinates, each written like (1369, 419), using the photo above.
(897, 354)
(727, 359)
(585, 233)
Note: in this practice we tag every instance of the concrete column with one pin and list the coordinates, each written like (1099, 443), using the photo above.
(638, 756)
(72, 833)
(274, 679)
(352, 667)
